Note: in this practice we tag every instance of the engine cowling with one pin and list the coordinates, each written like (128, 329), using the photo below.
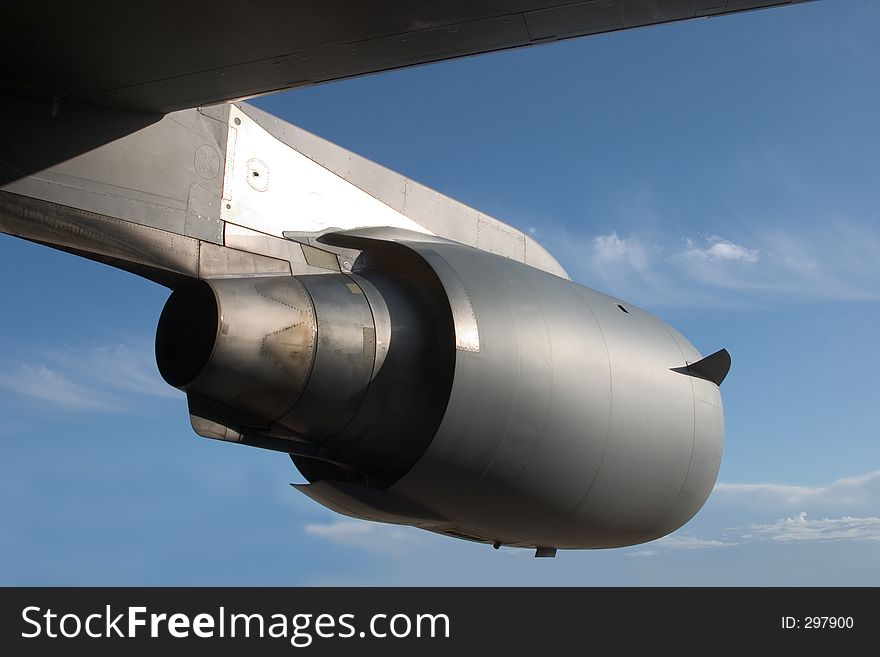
(456, 390)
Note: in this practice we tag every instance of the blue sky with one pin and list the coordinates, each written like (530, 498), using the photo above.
(721, 173)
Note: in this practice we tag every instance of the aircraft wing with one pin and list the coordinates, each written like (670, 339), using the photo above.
(163, 56)
(112, 146)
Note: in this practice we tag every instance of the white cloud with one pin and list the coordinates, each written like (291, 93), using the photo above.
(643, 553)
(849, 494)
(99, 378)
(611, 248)
(801, 528)
(720, 249)
(827, 261)
(339, 530)
(370, 536)
(686, 542)
(746, 514)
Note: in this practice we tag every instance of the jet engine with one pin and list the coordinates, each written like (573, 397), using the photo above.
(453, 389)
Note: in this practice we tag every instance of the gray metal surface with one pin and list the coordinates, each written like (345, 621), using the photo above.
(159, 255)
(357, 366)
(570, 424)
(369, 504)
(246, 344)
(410, 380)
(164, 56)
(582, 437)
(346, 353)
(167, 174)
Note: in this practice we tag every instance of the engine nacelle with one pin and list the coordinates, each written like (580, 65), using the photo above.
(456, 390)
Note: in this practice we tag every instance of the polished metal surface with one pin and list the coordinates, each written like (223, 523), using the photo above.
(344, 359)
(245, 344)
(358, 366)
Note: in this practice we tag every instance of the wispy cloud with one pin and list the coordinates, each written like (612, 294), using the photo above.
(691, 542)
(373, 537)
(802, 528)
(748, 514)
(643, 553)
(339, 530)
(851, 494)
(47, 385)
(104, 378)
(833, 261)
(117, 366)
(613, 249)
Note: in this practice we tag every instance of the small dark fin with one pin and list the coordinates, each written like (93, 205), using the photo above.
(713, 367)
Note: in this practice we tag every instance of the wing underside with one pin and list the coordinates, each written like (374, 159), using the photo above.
(164, 56)
(111, 148)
